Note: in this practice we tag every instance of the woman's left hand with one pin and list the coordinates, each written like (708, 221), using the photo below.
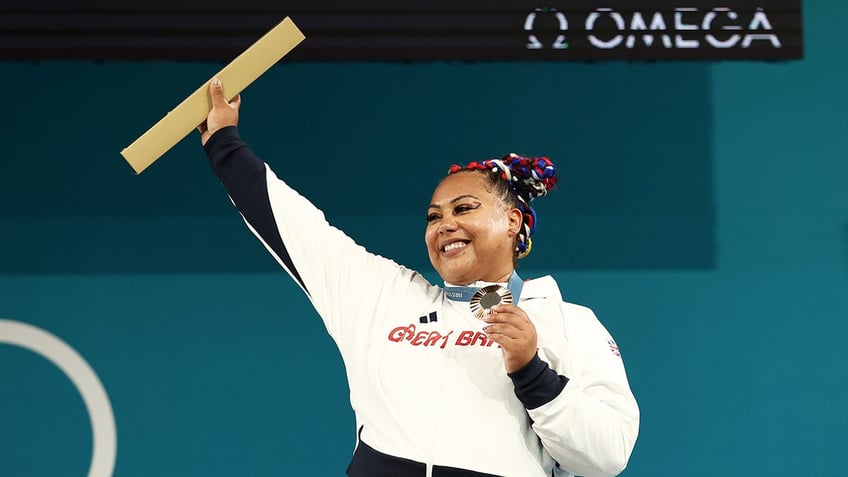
(509, 326)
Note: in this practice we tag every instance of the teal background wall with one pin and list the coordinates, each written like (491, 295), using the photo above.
(703, 214)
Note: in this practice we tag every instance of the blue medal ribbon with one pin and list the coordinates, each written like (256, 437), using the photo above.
(515, 285)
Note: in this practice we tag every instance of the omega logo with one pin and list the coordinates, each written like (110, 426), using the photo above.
(679, 27)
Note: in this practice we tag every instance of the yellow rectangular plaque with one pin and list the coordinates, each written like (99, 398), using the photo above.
(190, 113)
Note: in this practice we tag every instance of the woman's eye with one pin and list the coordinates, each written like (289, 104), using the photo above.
(432, 217)
(463, 208)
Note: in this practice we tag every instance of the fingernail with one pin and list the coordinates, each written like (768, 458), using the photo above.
(216, 82)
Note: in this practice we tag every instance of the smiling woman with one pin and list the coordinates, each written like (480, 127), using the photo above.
(470, 231)
(492, 205)
(509, 379)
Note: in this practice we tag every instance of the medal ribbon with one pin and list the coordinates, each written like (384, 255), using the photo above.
(515, 285)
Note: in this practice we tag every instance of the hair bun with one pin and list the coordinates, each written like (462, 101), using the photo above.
(531, 177)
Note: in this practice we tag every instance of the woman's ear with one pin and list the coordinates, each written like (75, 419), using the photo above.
(516, 218)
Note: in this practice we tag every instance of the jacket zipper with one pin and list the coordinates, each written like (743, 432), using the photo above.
(437, 416)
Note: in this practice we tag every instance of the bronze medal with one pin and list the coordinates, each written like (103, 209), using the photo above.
(487, 297)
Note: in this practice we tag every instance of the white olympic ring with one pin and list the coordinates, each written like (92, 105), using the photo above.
(103, 434)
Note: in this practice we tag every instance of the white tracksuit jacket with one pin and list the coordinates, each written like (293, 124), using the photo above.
(425, 383)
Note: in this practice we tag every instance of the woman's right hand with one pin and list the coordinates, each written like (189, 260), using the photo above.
(223, 113)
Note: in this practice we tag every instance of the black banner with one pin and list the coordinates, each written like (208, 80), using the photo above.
(558, 30)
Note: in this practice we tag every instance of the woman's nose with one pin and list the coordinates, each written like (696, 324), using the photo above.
(447, 226)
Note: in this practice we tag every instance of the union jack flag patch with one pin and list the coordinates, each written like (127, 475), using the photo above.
(614, 348)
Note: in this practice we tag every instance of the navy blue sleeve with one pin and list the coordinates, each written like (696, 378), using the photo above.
(536, 383)
(243, 175)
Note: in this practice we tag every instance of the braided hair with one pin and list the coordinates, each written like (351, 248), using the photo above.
(517, 180)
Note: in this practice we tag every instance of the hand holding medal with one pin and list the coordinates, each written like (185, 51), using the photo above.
(511, 328)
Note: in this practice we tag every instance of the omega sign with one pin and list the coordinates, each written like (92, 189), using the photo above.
(673, 28)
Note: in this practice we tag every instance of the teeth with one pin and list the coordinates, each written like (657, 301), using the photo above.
(454, 246)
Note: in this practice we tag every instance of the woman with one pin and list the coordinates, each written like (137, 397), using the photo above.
(443, 381)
